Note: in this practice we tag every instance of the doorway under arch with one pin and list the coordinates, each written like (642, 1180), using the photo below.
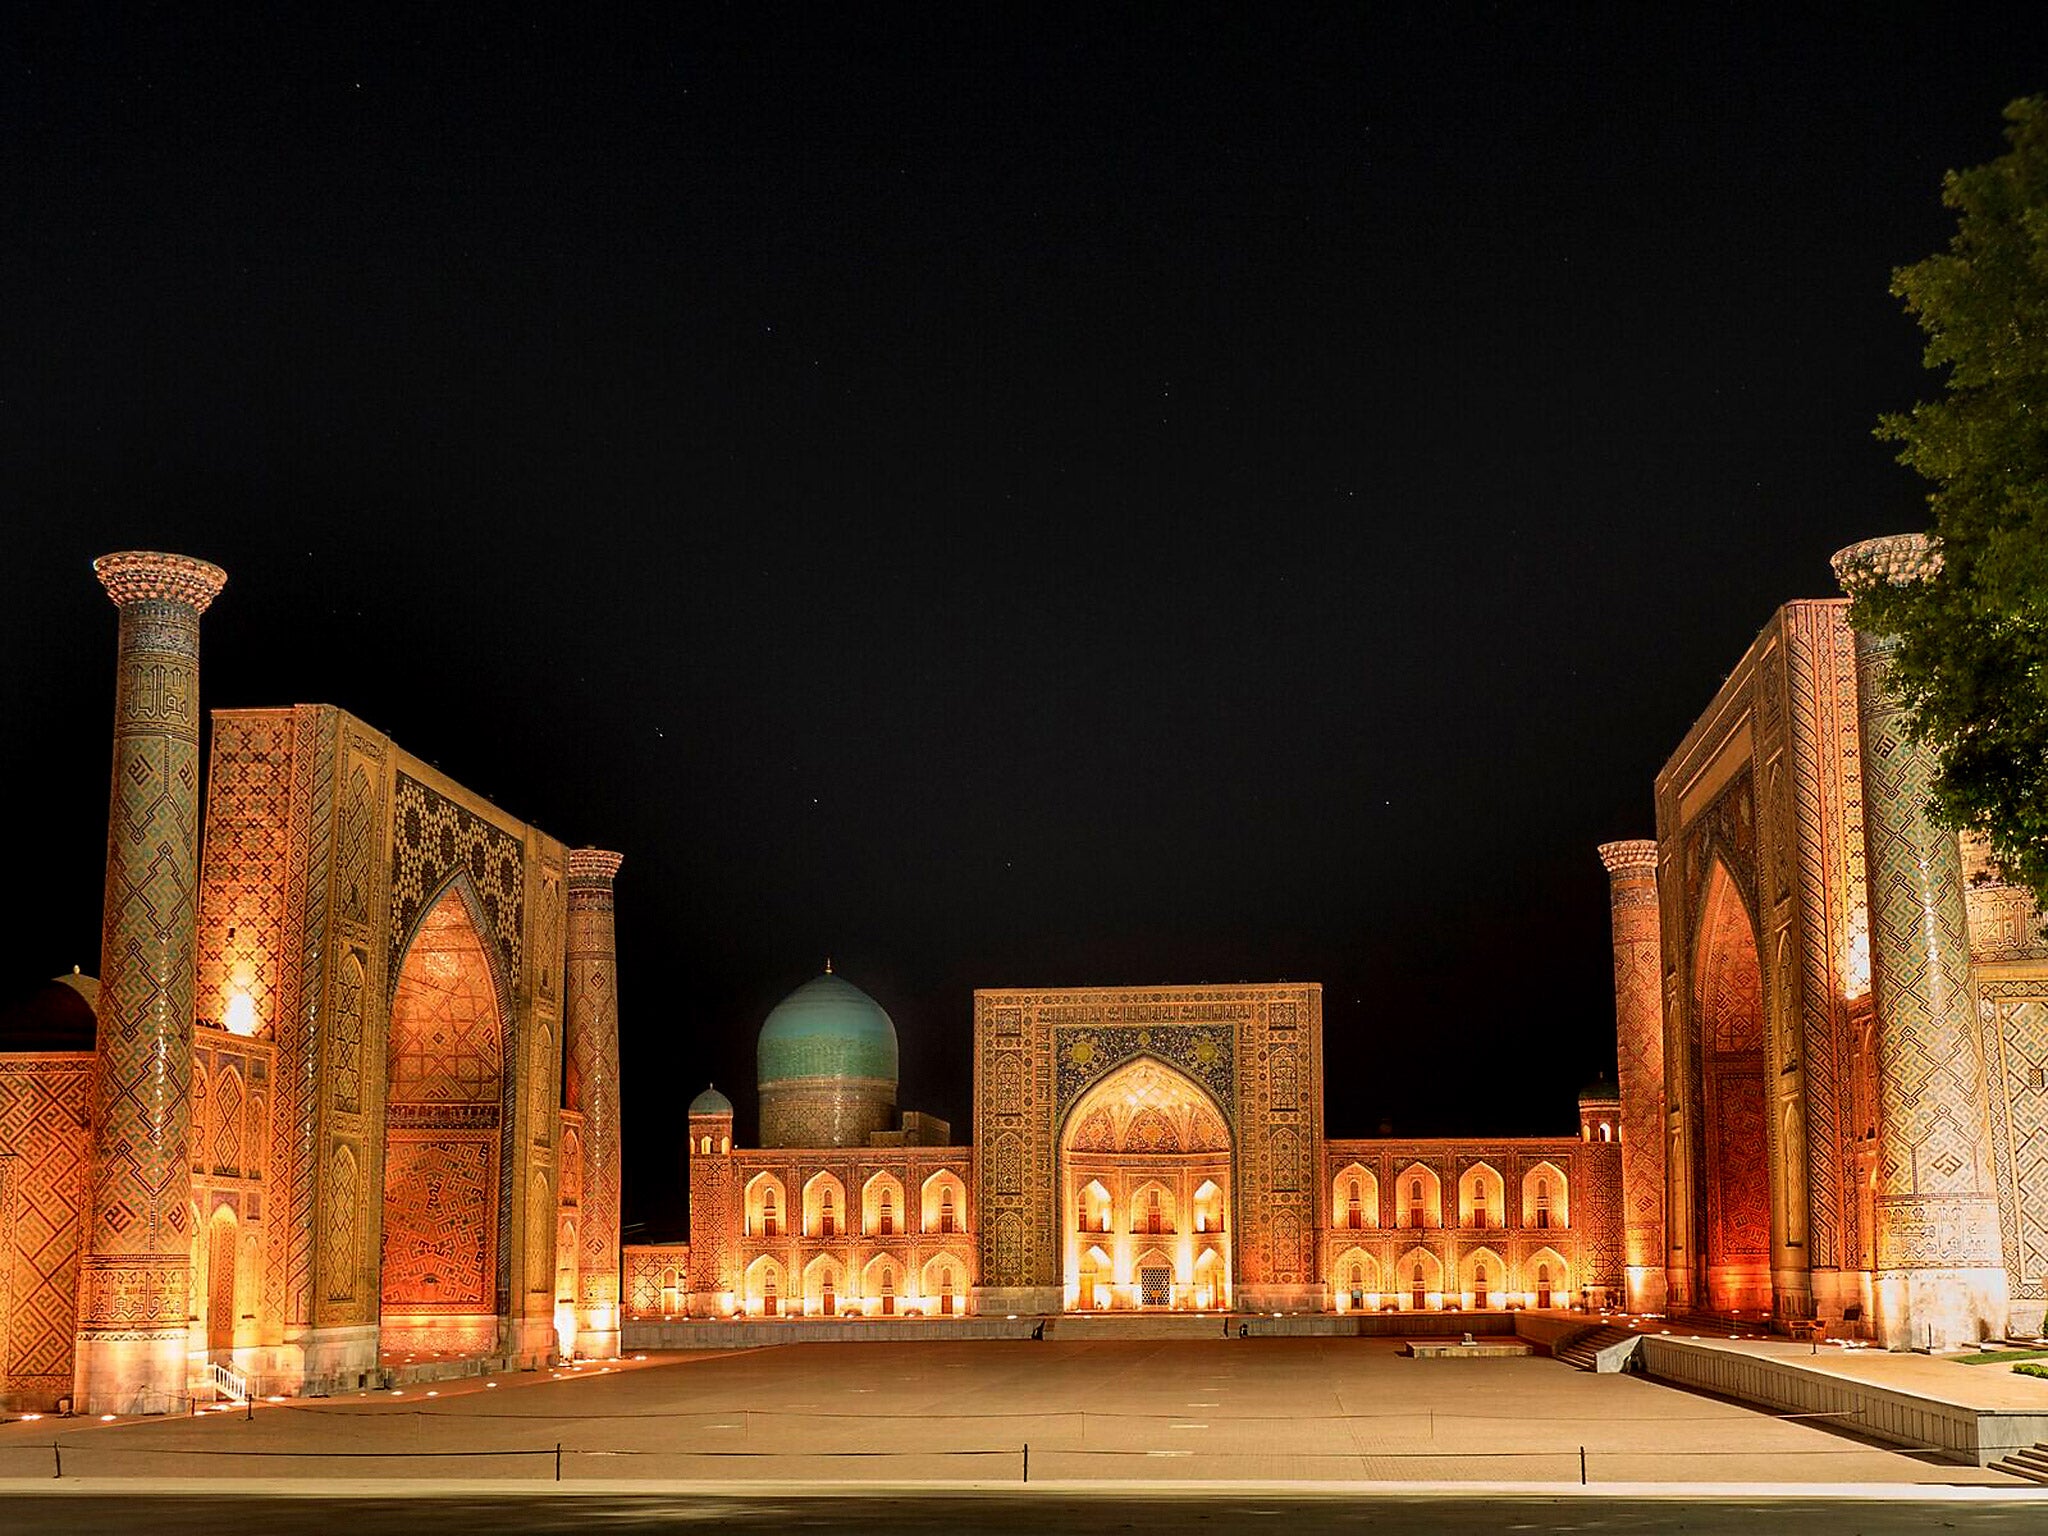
(1145, 1193)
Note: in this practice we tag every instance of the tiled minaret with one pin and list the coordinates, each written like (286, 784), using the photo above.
(137, 1243)
(1639, 1041)
(592, 955)
(1940, 1277)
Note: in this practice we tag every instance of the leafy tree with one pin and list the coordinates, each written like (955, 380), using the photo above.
(1972, 665)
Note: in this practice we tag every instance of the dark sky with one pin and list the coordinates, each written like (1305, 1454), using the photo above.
(1203, 498)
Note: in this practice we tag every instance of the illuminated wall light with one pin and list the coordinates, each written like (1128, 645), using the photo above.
(1856, 964)
(240, 1018)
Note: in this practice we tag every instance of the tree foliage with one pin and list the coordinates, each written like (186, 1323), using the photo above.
(1972, 665)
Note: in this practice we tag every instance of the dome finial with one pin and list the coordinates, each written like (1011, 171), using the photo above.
(828, 965)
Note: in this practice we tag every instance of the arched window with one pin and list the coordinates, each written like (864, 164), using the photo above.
(886, 1217)
(828, 1301)
(945, 1292)
(1152, 1215)
(1543, 1202)
(770, 1303)
(1415, 1202)
(1479, 1203)
(725, 1144)
(1419, 1288)
(1356, 1208)
(828, 1216)
(1542, 1285)
(946, 1209)
(1479, 1286)
(770, 1218)
(888, 1292)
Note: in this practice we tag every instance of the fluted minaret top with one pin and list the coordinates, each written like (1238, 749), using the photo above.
(138, 575)
(593, 866)
(1897, 559)
(1633, 856)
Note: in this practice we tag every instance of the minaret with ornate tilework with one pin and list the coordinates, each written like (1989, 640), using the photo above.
(592, 953)
(1639, 1040)
(137, 1239)
(1940, 1276)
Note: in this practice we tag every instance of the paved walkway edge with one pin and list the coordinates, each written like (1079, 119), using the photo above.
(400, 1488)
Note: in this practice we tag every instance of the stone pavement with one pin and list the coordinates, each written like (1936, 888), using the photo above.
(1295, 1410)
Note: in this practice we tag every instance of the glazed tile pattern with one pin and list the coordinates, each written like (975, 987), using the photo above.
(592, 1029)
(137, 1247)
(1639, 1035)
(1935, 1205)
(43, 1106)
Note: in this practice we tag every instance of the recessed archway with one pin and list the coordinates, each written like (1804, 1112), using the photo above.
(1734, 1144)
(1145, 1179)
(442, 1286)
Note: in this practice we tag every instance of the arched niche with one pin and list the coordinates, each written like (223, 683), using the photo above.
(1145, 1182)
(442, 1277)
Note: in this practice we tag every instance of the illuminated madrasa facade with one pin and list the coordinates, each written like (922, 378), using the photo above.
(344, 1101)
(1137, 1149)
(1833, 1016)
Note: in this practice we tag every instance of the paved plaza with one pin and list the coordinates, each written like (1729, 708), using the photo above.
(1273, 1410)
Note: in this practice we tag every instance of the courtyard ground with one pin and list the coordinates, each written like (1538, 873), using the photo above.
(1265, 1410)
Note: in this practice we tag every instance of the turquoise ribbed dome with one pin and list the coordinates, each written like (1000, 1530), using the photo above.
(827, 1027)
(711, 1102)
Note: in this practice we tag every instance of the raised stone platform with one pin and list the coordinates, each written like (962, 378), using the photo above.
(1458, 1349)
(1977, 1414)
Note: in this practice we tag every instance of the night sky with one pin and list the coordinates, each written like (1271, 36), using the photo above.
(1101, 501)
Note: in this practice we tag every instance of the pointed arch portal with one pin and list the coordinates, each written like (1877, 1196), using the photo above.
(1734, 1107)
(1145, 1188)
(442, 1281)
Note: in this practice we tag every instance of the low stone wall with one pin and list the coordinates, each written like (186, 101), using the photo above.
(756, 1333)
(1976, 1435)
(759, 1332)
(1547, 1330)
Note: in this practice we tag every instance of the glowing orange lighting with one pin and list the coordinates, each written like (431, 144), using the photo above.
(240, 1018)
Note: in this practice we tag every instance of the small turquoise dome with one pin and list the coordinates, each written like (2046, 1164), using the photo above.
(711, 1102)
(1600, 1091)
(827, 1027)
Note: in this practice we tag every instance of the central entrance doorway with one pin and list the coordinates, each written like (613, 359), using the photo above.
(1145, 1194)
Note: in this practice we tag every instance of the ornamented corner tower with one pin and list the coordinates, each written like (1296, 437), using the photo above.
(714, 1277)
(591, 955)
(1940, 1279)
(137, 1246)
(1639, 1041)
(1597, 1210)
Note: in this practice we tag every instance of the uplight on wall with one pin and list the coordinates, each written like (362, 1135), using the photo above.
(1856, 964)
(240, 1018)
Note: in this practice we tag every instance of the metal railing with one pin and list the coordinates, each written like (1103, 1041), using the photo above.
(227, 1382)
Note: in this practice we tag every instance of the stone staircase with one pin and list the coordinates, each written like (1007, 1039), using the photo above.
(2030, 1464)
(1582, 1349)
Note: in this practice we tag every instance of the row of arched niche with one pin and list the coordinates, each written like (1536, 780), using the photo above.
(942, 1207)
(1418, 1199)
(1415, 1282)
(886, 1287)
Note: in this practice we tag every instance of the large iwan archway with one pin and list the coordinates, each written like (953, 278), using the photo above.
(1734, 1111)
(1145, 1194)
(441, 1286)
